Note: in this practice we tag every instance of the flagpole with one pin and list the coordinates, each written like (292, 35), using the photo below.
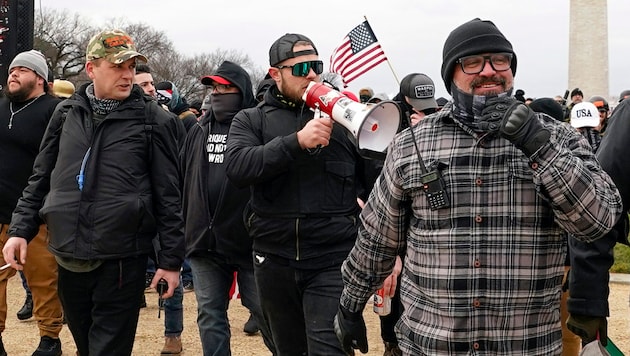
(387, 58)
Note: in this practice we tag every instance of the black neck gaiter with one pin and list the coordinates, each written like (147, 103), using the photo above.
(467, 108)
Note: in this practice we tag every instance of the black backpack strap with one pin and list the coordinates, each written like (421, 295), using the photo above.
(64, 109)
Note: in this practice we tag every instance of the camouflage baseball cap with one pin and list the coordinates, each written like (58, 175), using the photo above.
(114, 45)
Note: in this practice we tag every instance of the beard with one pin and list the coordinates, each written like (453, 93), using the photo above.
(22, 93)
(292, 93)
(494, 79)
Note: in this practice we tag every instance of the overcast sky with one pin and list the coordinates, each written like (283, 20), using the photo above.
(411, 32)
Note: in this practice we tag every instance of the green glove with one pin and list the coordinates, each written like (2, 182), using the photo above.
(589, 328)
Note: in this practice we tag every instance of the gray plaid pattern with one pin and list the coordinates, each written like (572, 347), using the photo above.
(482, 276)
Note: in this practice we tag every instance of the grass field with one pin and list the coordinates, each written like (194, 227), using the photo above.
(622, 259)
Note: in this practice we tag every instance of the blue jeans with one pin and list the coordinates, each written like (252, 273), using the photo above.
(187, 272)
(174, 312)
(212, 277)
(292, 296)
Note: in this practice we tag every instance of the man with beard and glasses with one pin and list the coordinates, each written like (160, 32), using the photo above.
(305, 176)
(25, 111)
(478, 196)
(217, 243)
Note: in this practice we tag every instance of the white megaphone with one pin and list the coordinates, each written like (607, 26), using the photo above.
(373, 125)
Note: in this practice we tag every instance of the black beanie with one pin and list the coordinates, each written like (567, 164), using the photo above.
(473, 37)
(549, 107)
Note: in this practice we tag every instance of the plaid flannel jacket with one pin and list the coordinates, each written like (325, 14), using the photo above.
(482, 276)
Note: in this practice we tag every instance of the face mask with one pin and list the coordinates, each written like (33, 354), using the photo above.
(364, 98)
(225, 106)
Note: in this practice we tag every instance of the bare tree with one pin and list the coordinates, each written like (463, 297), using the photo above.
(62, 38)
(186, 73)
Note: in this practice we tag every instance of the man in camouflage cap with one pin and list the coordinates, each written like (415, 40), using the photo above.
(106, 183)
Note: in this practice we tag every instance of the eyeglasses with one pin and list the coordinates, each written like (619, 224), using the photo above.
(474, 64)
(303, 68)
(220, 88)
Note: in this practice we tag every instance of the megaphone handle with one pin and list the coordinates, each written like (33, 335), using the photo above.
(316, 113)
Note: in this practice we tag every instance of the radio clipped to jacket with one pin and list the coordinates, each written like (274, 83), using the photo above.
(435, 190)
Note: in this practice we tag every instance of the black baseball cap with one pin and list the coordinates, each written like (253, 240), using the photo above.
(420, 91)
(282, 49)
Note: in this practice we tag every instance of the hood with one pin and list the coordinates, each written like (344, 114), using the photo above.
(236, 75)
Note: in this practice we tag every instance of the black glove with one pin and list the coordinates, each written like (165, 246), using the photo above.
(493, 113)
(588, 327)
(519, 124)
(350, 330)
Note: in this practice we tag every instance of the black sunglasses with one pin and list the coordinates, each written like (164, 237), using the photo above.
(303, 68)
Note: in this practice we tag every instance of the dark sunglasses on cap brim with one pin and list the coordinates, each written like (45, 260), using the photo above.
(303, 68)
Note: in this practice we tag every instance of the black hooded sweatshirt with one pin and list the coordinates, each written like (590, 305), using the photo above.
(212, 205)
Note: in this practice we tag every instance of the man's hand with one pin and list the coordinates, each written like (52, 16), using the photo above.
(518, 124)
(14, 247)
(171, 277)
(391, 282)
(493, 113)
(350, 330)
(589, 328)
(316, 133)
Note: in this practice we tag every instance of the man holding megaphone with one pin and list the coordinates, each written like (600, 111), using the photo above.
(305, 175)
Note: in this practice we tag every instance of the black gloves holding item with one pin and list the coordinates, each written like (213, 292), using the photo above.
(350, 330)
(588, 327)
(515, 122)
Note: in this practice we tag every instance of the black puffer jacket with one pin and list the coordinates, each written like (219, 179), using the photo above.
(215, 226)
(131, 186)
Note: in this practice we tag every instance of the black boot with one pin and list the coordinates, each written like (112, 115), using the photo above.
(48, 347)
(250, 327)
(27, 309)
(2, 351)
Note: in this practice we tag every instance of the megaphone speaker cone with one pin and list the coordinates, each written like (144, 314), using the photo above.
(373, 125)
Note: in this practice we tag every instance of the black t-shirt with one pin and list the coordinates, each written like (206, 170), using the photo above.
(216, 149)
(19, 146)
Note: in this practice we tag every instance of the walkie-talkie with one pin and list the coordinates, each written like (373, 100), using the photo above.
(435, 190)
(162, 286)
(432, 182)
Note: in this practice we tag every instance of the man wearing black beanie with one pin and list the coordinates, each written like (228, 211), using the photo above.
(478, 197)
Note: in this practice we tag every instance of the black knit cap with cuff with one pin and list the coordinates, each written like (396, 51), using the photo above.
(474, 37)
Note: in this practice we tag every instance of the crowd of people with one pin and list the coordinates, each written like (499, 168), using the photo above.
(490, 221)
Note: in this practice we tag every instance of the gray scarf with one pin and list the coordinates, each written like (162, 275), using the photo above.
(100, 106)
(468, 108)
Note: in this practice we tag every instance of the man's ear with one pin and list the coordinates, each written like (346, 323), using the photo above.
(274, 73)
(89, 69)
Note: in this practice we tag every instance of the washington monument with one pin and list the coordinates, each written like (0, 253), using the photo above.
(588, 47)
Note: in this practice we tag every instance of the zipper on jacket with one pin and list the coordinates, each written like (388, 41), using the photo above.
(297, 239)
(81, 175)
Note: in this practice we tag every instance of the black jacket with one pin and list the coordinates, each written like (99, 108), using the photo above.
(590, 262)
(131, 186)
(217, 226)
(303, 203)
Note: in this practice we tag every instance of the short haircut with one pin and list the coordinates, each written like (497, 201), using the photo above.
(142, 68)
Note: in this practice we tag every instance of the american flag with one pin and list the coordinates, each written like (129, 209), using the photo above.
(358, 53)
